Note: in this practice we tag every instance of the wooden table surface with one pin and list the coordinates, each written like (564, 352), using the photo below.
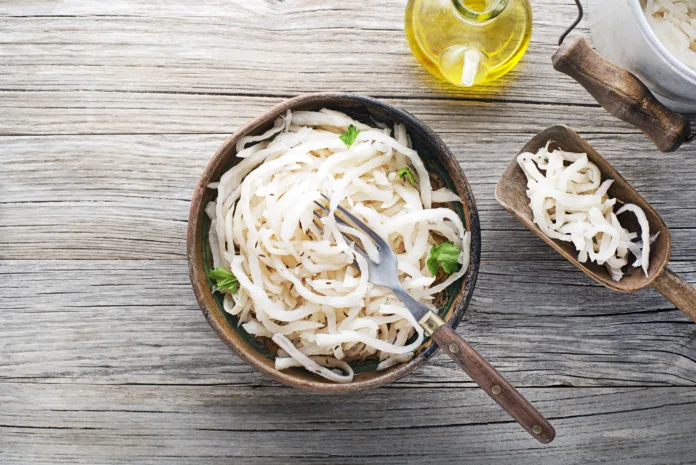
(110, 110)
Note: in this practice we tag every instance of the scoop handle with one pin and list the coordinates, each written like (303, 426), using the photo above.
(678, 291)
(488, 378)
(621, 94)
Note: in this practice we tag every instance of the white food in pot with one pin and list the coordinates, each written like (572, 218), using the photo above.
(297, 282)
(674, 23)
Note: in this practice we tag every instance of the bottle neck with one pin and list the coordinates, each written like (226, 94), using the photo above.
(480, 10)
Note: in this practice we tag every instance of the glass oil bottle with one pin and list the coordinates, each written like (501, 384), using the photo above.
(468, 42)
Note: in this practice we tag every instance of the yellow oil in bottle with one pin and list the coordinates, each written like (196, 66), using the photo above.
(468, 42)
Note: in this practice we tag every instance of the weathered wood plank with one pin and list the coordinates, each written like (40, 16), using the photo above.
(182, 424)
(541, 324)
(112, 109)
(98, 112)
(108, 361)
(361, 9)
(128, 196)
(234, 47)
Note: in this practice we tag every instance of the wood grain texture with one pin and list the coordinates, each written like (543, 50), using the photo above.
(127, 196)
(109, 111)
(233, 47)
(101, 113)
(493, 383)
(64, 424)
(137, 322)
(678, 291)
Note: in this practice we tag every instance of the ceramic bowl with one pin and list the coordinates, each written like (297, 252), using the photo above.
(444, 170)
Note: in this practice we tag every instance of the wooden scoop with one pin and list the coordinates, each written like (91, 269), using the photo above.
(511, 194)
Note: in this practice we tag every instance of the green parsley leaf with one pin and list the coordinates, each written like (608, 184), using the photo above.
(349, 136)
(403, 172)
(445, 255)
(225, 280)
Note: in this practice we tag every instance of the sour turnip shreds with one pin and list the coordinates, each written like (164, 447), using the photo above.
(674, 23)
(569, 202)
(294, 280)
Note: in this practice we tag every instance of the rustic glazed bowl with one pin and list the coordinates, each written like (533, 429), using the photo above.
(444, 170)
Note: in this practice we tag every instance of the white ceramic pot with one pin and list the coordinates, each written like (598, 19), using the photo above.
(621, 33)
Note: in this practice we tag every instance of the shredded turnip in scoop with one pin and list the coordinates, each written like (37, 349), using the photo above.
(569, 202)
(297, 279)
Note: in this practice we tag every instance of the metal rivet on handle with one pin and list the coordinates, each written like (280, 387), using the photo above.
(495, 390)
(454, 348)
(536, 429)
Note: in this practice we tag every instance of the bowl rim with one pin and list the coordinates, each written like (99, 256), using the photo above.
(204, 295)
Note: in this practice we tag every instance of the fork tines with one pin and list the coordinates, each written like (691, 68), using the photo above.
(353, 240)
(373, 235)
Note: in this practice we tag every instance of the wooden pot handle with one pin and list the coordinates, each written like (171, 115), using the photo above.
(494, 384)
(621, 94)
(678, 291)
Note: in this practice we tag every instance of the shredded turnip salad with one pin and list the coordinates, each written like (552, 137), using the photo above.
(292, 280)
(569, 202)
(674, 23)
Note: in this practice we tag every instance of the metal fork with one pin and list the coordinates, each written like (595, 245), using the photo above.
(385, 273)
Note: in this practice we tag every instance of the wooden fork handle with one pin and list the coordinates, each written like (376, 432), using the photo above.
(678, 291)
(492, 382)
(621, 94)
